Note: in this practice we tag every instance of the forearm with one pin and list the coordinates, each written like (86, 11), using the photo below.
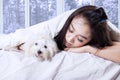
(110, 53)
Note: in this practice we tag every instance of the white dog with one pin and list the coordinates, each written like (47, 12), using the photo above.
(44, 48)
(39, 45)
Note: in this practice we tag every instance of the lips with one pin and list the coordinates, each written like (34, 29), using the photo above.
(67, 44)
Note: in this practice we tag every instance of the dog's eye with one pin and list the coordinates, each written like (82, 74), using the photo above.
(36, 43)
(45, 46)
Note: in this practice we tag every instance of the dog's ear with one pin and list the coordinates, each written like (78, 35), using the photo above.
(51, 51)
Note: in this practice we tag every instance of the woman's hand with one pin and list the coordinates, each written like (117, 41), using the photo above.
(110, 53)
(84, 49)
(77, 50)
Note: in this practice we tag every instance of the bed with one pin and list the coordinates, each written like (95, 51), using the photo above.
(64, 65)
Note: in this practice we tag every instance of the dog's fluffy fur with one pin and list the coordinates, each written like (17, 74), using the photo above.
(39, 45)
(43, 49)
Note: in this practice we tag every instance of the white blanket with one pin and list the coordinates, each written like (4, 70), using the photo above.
(64, 66)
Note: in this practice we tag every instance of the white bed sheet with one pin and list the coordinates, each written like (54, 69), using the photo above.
(64, 66)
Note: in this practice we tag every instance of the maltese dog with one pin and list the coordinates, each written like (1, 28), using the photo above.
(44, 48)
(39, 45)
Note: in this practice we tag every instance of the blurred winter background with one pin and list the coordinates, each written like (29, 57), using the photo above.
(21, 13)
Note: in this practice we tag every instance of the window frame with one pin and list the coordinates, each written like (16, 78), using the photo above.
(1, 16)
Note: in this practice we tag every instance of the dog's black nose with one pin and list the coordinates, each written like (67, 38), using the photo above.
(39, 52)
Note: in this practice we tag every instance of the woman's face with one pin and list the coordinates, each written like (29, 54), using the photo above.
(78, 33)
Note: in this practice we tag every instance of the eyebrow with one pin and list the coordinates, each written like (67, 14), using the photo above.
(79, 34)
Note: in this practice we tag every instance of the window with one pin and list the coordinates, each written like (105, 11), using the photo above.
(15, 14)
(41, 10)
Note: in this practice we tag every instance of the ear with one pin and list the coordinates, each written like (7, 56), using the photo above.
(53, 51)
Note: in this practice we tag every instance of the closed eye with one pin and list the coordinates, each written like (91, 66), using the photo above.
(80, 40)
(36, 43)
(71, 31)
(45, 46)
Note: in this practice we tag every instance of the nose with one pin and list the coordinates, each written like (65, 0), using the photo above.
(39, 52)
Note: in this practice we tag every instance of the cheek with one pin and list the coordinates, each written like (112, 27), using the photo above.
(67, 35)
(79, 44)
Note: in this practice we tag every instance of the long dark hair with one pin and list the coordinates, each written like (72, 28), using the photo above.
(96, 18)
